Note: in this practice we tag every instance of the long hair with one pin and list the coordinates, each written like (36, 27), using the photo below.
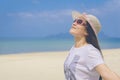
(92, 38)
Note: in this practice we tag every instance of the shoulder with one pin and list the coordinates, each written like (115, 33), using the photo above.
(94, 57)
(91, 47)
(92, 50)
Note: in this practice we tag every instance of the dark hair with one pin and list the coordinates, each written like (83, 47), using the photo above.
(91, 38)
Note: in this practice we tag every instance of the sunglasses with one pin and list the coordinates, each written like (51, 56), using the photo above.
(79, 21)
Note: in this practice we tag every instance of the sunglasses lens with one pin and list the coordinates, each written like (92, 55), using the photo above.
(79, 21)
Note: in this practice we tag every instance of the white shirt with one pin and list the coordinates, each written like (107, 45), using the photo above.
(81, 62)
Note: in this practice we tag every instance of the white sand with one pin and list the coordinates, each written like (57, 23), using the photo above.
(45, 65)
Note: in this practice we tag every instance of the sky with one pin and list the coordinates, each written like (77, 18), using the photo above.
(41, 18)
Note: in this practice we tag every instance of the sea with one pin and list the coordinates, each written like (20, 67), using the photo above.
(18, 46)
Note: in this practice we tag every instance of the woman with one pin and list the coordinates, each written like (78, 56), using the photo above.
(85, 60)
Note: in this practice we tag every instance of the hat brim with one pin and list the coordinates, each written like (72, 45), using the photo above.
(76, 15)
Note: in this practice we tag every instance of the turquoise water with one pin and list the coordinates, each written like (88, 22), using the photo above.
(40, 45)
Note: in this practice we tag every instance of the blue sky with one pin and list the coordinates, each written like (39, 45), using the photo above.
(40, 18)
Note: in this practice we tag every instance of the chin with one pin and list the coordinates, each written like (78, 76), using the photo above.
(72, 32)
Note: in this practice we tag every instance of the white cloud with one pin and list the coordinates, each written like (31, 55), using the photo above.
(35, 1)
(55, 14)
(108, 7)
(20, 14)
(113, 5)
(38, 18)
(45, 14)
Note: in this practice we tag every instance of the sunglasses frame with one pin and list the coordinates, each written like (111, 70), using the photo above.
(80, 23)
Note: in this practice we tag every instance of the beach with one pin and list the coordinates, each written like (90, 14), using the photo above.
(45, 65)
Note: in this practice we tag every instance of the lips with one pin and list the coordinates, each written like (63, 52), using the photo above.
(73, 27)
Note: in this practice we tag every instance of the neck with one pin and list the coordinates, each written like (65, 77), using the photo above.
(79, 42)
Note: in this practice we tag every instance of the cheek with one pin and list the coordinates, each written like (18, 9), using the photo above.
(80, 32)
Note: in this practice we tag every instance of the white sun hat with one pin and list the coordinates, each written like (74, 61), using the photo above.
(92, 20)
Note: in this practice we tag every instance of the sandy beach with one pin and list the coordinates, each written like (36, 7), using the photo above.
(45, 65)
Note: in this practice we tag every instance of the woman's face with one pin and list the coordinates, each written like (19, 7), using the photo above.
(78, 28)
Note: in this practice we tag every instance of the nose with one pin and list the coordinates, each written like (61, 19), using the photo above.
(74, 23)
